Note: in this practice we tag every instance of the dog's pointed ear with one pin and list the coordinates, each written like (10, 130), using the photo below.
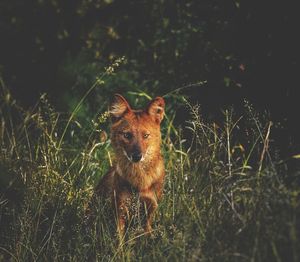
(156, 109)
(119, 107)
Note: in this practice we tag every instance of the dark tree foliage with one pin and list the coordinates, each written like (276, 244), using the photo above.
(243, 49)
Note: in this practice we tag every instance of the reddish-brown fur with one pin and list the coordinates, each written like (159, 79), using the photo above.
(138, 166)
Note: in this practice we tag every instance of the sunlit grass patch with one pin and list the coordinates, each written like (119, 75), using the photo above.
(225, 195)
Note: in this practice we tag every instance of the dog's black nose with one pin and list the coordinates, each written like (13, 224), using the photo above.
(136, 157)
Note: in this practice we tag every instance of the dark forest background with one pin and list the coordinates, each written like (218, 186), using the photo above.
(228, 50)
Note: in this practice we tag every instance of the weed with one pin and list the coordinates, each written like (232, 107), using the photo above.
(225, 199)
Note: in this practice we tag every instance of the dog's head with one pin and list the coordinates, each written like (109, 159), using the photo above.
(136, 133)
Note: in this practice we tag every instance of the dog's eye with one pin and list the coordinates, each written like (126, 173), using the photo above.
(146, 135)
(127, 135)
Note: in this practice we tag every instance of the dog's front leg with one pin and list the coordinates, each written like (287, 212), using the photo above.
(121, 200)
(150, 204)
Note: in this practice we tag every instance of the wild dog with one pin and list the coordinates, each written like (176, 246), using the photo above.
(138, 167)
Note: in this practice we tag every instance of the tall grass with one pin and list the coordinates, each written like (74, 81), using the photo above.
(225, 195)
